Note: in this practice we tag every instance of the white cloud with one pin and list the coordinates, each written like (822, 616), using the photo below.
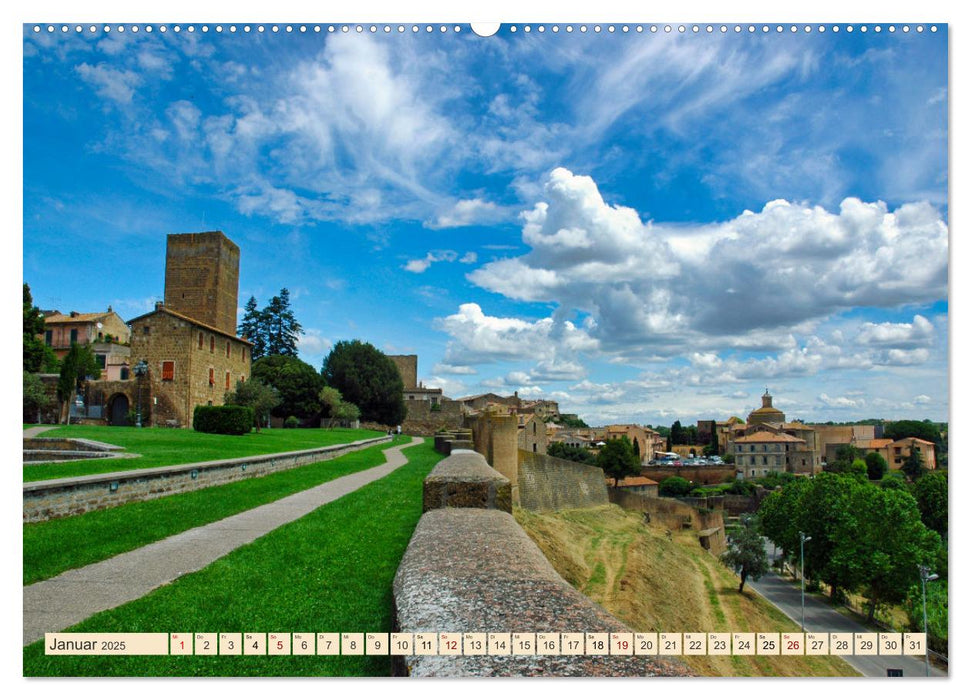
(445, 368)
(469, 212)
(421, 264)
(841, 401)
(653, 289)
(110, 83)
(478, 338)
(312, 342)
(900, 335)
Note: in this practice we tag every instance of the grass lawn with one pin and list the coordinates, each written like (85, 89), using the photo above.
(57, 545)
(162, 447)
(330, 571)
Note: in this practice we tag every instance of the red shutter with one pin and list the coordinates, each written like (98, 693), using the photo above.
(212, 376)
(168, 371)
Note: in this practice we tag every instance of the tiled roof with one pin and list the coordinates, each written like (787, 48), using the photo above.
(80, 318)
(765, 436)
(200, 324)
(636, 481)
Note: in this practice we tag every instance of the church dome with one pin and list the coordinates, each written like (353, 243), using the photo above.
(767, 413)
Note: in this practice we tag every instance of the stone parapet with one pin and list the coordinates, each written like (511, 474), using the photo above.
(55, 498)
(475, 570)
(465, 480)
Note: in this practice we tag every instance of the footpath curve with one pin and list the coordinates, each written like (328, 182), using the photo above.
(68, 598)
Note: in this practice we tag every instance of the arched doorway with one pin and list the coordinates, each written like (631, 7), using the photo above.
(118, 413)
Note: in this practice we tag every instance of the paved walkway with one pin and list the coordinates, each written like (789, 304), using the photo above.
(69, 598)
(38, 429)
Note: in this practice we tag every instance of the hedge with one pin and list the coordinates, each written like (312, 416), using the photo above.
(225, 420)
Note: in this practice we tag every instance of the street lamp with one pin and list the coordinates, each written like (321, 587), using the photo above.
(140, 369)
(925, 576)
(802, 574)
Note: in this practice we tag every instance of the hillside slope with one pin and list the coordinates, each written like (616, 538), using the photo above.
(654, 583)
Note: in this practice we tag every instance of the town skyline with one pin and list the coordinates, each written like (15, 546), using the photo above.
(644, 228)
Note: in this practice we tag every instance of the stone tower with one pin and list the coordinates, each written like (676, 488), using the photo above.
(202, 278)
(408, 368)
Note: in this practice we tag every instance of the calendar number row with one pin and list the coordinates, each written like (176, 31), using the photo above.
(489, 643)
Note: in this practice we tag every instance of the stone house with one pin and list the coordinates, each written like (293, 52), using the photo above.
(189, 364)
(105, 332)
(532, 433)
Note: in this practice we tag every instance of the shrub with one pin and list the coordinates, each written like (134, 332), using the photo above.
(224, 420)
(675, 486)
(291, 422)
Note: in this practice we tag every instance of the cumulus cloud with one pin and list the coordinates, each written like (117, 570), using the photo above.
(899, 335)
(480, 338)
(779, 270)
(312, 342)
(841, 401)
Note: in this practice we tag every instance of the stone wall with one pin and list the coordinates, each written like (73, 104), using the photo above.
(422, 420)
(550, 483)
(476, 570)
(699, 475)
(494, 437)
(56, 498)
(667, 512)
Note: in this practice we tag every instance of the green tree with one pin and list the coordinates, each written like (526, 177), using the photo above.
(259, 396)
(894, 480)
(38, 357)
(617, 459)
(253, 328)
(282, 329)
(845, 456)
(674, 486)
(779, 515)
(746, 551)
(335, 409)
(913, 466)
(876, 466)
(925, 430)
(79, 365)
(575, 454)
(891, 543)
(36, 398)
(367, 378)
(297, 383)
(930, 491)
(677, 436)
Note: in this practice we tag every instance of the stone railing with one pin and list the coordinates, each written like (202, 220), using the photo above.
(474, 569)
(55, 498)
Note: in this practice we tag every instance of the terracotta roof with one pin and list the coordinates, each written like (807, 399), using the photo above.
(913, 439)
(200, 324)
(80, 318)
(878, 443)
(636, 481)
(765, 436)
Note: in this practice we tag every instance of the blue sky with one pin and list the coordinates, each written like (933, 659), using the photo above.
(643, 226)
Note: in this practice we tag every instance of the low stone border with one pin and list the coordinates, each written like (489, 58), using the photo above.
(55, 498)
(465, 480)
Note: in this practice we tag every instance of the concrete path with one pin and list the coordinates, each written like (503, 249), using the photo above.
(820, 617)
(38, 429)
(69, 598)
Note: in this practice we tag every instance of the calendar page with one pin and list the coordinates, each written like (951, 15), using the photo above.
(437, 348)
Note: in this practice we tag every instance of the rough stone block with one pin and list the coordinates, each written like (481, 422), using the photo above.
(465, 480)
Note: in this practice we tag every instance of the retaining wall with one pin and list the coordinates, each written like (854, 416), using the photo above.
(549, 483)
(673, 514)
(56, 498)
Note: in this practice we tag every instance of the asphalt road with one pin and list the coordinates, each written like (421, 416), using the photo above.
(822, 618)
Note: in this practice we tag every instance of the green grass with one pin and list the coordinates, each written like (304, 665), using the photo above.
(330, 571)
(162, 447)
(58, 545)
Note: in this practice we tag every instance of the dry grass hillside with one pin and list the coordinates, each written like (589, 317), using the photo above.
(654, 583)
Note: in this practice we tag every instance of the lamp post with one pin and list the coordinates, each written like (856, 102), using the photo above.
(802, 574)
(925, 576)
(140, 369)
